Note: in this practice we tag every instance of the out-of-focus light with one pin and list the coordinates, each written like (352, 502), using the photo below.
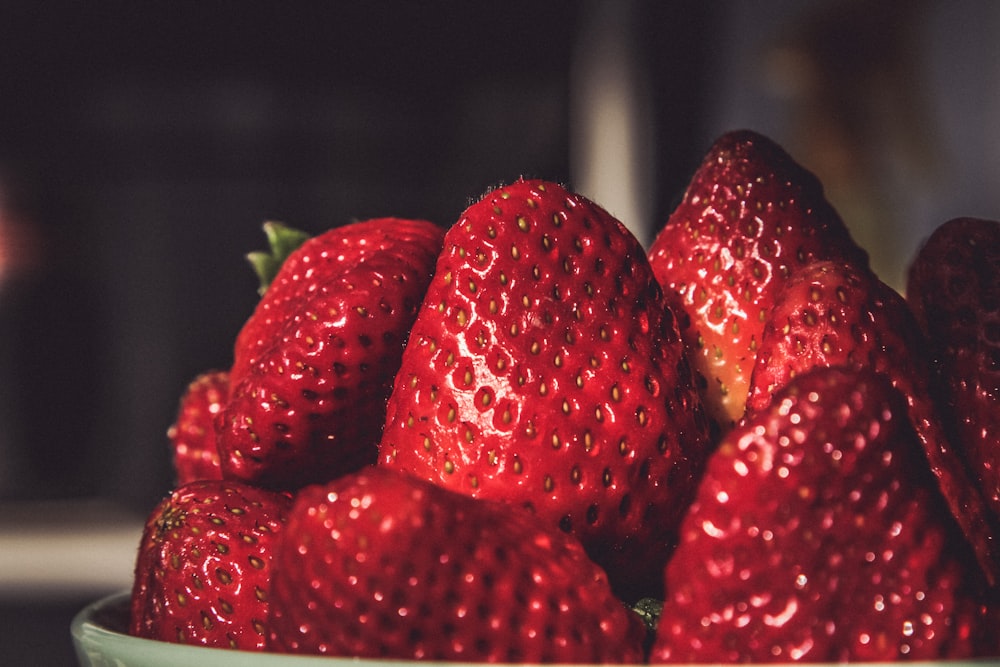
(610, 123)
(20, 243)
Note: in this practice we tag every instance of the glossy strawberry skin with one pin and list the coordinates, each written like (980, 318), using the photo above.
(378, 564)
(749, 218)
(544, 371)
(831, 314)
(203, 569)
(819, 534)
(195, 453)
(954, 289)
(314, 363)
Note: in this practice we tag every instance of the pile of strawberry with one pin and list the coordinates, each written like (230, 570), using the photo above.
(527, 439)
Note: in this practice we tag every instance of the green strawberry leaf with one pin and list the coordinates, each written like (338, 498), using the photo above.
(283, 240)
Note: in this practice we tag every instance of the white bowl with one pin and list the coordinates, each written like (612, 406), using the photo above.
(101, 640)
(100, 637)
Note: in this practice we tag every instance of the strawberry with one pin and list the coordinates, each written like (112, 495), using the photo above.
(749, 218)
(819, 534)
(954, 288)
(314, 363)
(379, 564)
(543, 370)
(829, 314)
(257, 334)
(192, 435)
(203, 570)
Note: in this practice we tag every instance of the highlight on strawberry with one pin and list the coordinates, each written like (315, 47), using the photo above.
(204, 567)
(544, 370)
(195, 452)
(314, 363)
(750, 217)
(525, 438)
(819, 534)
(429, 574)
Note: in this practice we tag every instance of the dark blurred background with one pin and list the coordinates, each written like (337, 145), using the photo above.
(143, 144)
(142, 149)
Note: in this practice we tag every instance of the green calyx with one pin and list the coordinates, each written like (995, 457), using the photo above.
(282, 241)
(649, 610)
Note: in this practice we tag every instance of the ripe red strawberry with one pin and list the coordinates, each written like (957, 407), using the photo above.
(954, 288)
(257, 335)
(543, 370)
(192, 435)
(314, 363)
(750, 217)
(830, 314)
(203, 570)
(379, 564)
(818, 534)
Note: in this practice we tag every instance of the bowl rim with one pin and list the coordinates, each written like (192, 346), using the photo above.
(92, 639)
(95, 642)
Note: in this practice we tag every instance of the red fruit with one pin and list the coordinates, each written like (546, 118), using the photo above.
(830, 314)
(314, 363)
(954, 288)
(203, 571)
(378, 564)
(543, 370)
(750, 217)
(192, 435)
(819, 534)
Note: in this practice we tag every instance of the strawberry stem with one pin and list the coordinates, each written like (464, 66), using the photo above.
(649, 610)
(282, 241)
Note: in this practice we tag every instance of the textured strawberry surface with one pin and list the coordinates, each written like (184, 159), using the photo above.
(749, 217)
(192, 435)
(819, 534)
(315, 362)
(545, 371)
(379, 564)
(829, 314)
(203, 570)
(553, 400)
(954, 288)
